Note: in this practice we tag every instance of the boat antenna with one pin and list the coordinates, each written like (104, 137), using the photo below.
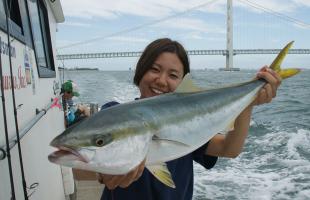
(7, 153)
(8, 10)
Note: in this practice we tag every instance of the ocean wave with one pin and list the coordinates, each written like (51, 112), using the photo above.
(272, 166)
(298, 145)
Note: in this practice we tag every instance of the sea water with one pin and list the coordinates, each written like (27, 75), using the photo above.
(275, 161)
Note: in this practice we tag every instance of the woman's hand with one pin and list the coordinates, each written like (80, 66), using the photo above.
(123, 181)
(269, 90)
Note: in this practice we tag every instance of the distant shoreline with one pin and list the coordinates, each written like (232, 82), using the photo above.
(78, 69)
(195, 69)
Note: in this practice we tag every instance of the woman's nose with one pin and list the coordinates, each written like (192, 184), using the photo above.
(161, 80)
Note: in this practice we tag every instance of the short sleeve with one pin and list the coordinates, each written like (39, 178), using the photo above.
(202, 158)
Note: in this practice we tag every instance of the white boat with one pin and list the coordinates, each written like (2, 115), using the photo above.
(29, 29)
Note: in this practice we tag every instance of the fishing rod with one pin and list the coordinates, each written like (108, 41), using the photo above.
(8, 154)
(8, 10)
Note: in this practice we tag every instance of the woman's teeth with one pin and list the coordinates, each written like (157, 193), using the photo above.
(157, 91)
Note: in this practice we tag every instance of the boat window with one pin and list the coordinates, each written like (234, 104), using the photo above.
(15, 13)
(2, 10)
(19, 21)
(2, 16)
(15, 20)
(25, 23)
(41, 36)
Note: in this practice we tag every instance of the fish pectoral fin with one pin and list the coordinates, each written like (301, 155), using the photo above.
(187, 85)
(162, 173)
(169, 141)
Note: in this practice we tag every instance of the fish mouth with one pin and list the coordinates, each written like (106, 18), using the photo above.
(69, 153)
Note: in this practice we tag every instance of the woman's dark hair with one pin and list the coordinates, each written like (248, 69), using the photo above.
(155, 49)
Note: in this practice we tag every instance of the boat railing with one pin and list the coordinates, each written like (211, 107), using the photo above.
(93, 107)
(30, 124)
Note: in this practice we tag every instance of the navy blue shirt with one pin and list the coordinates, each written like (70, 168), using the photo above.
(147, 187)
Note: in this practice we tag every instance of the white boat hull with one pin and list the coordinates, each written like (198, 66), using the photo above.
(32, 91)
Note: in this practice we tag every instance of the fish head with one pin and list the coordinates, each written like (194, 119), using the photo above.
(78, 147)
(111, 148)
(81, 138)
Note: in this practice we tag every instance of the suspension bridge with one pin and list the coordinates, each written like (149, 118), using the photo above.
(190, 52)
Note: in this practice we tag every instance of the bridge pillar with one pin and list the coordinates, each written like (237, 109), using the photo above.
(229, 39)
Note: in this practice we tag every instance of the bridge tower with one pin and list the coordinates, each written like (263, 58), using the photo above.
(229, 39)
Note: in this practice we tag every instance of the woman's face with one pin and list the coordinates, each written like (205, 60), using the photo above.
(164, 76)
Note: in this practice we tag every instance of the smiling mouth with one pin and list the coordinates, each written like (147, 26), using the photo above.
(156, 91)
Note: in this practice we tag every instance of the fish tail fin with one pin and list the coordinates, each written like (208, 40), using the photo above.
(286, 73)
(276, 64)
(162, 173)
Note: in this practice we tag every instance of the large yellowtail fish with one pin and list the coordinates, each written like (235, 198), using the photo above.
(160, 128)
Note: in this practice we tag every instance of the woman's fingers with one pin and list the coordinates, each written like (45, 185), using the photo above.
(265, 95)
(133, 175)
(140, 169)
(130, 177)
(113, 181)
(270, 93)
(102, 178)
(116, 181)
(269, 90)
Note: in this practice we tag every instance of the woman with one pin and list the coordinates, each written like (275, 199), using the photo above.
(159, 70)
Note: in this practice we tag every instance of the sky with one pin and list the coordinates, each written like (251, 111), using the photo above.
(129, 25)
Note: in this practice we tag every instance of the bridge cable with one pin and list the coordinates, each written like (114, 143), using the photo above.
(139, 26)
(277, 14)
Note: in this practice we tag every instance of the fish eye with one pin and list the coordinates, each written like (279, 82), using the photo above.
(99, 142)
(102, 140)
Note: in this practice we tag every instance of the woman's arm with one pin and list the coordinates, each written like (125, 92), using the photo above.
(231, 144)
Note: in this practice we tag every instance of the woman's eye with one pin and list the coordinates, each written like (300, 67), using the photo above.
(154, 69)
(174, 76)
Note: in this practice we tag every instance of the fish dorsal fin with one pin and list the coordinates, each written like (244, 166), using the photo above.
(187, 85)
(162, 173)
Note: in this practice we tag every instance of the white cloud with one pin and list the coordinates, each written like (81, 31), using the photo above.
(303, 2)
(162, 8)
(302, 26)
(77, 24)
(112, 9)
(148, 8)
(86, 9)
(281, 6)
(199, 36)
(194, 35)
(190, 24)
(128, 39)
